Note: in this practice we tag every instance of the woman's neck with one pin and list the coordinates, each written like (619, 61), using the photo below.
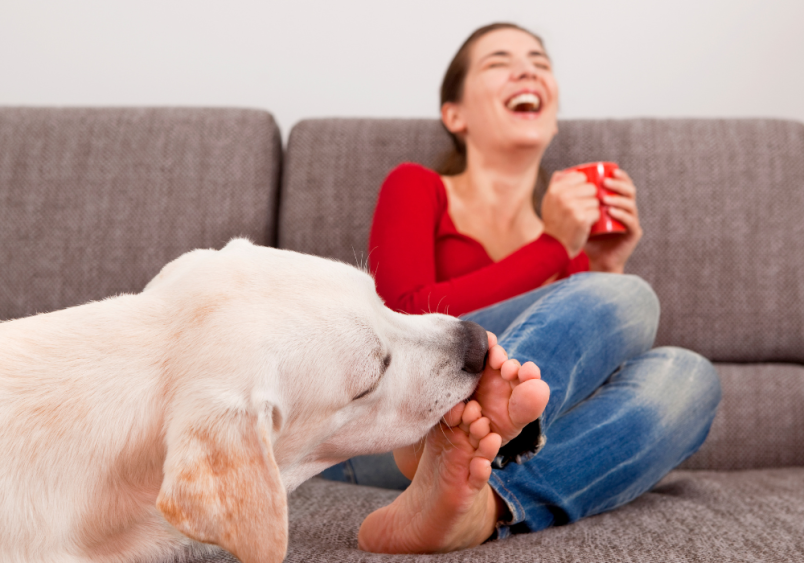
(498, 185)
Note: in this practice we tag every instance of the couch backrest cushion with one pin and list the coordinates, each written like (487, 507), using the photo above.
(334, 169)
(93, 202)
(721, 203)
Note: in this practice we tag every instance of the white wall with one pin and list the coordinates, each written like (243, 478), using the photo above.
(308, 58)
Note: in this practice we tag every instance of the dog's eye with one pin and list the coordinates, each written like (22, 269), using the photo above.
(363, 394)
(386, 361)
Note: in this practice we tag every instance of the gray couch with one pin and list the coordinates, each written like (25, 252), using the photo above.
(93, 202)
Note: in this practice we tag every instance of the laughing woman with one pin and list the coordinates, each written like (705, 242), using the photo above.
(468, 241)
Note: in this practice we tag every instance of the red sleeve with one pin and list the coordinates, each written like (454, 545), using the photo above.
(578, 264)
(402, 253)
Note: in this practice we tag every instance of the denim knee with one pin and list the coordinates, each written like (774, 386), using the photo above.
(684, 387)
(628, 296)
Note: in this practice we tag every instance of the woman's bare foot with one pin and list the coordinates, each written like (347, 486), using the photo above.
(509, 394)
(449, 504)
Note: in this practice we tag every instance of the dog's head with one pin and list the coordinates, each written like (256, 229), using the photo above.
(281, 364)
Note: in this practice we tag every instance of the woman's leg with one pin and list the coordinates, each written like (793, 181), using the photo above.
(498, 317)
(650, 415)
(609, 438)
(378, 470)
(576, 443)
(578, 331)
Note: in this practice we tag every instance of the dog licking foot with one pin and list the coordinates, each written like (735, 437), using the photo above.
(510, 395)
(449, 504)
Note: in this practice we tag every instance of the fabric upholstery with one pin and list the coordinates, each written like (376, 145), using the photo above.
(93, 202)
(689, 517)
(760, 420)
(720, 203)
(333, 172)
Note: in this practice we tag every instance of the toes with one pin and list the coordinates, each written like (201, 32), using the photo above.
(496, 357)
(478, 430)
(529, 371)
(453, 417)
(480, 465)
(471, 413)
(510, 369)
(492, 339)
(528, 401)
(479, 472)
(489, 446)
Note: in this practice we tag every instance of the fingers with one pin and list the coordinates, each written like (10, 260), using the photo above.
(630, 220)
(624, 203)
(573, 184)
(567, 176)
(623, 206)
(622, 186)
(492, 339)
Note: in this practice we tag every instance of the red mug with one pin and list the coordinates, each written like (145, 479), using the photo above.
(595, 173)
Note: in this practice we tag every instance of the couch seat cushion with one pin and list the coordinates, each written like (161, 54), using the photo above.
(690, 516)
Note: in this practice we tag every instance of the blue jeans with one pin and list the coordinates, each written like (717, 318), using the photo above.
(620, 415)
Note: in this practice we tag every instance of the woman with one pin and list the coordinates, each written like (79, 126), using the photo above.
(470, 242)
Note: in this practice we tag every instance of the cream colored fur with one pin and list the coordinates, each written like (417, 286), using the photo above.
(133, 428)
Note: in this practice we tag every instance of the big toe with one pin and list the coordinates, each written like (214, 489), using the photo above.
(528, 401)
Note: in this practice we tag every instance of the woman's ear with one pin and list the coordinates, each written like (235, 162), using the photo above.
(452, 119)
(222, 485)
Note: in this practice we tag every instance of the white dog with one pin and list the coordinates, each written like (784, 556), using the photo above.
(133, 428)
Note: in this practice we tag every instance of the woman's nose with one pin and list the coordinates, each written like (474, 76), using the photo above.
(524, 69)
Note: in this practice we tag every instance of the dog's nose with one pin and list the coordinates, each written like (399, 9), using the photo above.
(476, 347)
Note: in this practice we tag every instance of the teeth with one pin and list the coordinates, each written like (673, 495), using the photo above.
(524, 102)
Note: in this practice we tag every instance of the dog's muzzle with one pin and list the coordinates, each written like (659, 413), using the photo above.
(476, 347)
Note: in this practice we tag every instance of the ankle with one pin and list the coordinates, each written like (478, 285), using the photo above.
(497, 510)
(407, 459)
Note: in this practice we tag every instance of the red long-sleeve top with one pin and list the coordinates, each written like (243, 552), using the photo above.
(422, 264)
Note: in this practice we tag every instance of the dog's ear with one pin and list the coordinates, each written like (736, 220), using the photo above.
(222, 486)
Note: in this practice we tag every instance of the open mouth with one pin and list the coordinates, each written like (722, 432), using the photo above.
(525, 103)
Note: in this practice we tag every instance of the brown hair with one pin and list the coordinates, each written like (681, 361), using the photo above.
(454, 161)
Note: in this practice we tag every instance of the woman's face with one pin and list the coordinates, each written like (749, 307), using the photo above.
(510, 96)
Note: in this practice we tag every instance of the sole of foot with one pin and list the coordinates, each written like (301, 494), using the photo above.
(449, 504)
(510, 395)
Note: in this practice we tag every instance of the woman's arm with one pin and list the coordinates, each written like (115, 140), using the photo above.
(402, 253)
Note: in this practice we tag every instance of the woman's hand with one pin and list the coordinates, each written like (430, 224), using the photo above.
(609, 254)
(569, 209)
